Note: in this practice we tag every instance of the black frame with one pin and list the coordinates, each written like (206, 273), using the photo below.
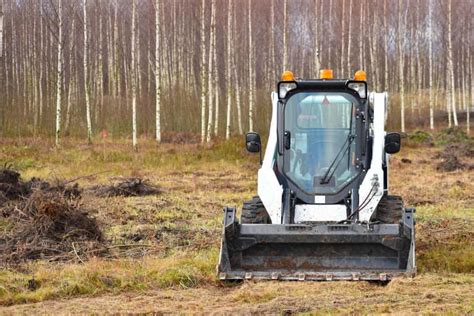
(362, 124)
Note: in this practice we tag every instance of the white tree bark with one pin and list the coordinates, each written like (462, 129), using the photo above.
(211, 88)
(401, 74)
(157, 72)
(237, 80)
(452, 91)
(86, 78)
(316, 59)
(203, 71)
(285, 33)
(59, 73)
(251, 65)
(215, 83)
(385, 43)
(349, 38)
(134, 80)
(430, 61)
(343, 40)
(1, 29)
(229, 68)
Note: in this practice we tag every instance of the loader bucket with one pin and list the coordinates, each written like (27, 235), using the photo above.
(316, 251)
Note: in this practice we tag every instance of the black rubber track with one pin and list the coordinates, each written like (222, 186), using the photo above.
(253, 212)
(389, 210)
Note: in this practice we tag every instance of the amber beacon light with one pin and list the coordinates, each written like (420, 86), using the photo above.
(360, 75)
(326, 74)
(287, 76)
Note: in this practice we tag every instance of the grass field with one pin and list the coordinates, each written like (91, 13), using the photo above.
(165, 247)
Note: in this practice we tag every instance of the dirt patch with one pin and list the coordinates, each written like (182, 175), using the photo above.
(135, 186)
(49, 225)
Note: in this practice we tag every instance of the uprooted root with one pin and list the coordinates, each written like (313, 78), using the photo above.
(126, 187)
(49, 225)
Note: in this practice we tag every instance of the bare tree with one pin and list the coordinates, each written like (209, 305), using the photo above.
(1, 28)
(203, 71)
(450, 79)
(251, 65)
(134, 80)
(59, 79)
(285, 33)
(430, 60)
(157, 72)
(401, 75)
(229, 68)
(86, 78)
(210, 86)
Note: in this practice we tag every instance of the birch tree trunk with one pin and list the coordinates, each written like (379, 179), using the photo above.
(215, 80)
(349, 38)
(59, 73)
(401, 74)
(210, 70)
(385, 43)
(237, 80)
(203, 71)
(86, 78)
(317, 30)
(229, 68)
(251, 64)
(272, 42)
(285, 33)
(343, 40)
(157, 72)
(1, 28)
(134, 79)
(430, 61)
(452, 91)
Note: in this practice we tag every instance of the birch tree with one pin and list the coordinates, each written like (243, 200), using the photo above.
(250, 76)
(1, 28)
(86, 78)
(59, 70)
(450, 79)
(229, 68)
(210, 86)
(157, 72)
(401, 56)
(203, 71)
(237, 80)
(285, 33)
(430, 60)
(134, 79)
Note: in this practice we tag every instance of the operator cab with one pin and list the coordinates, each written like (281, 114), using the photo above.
(323, 135)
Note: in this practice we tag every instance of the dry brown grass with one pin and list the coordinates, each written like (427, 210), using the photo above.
(176, 236)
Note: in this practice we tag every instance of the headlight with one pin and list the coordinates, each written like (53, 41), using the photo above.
(284, 88)
(360, 88)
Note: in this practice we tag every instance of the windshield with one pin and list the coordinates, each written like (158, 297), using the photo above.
(321, 125)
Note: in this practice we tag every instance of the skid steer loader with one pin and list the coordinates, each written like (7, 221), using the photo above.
(323, 210)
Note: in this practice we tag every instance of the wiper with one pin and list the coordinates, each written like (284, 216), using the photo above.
(337, 160)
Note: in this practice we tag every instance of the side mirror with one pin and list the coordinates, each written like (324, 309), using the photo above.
(253, 142)
(392, 143)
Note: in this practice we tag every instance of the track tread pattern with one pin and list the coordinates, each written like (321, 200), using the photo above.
(253, 212)
(390, 210)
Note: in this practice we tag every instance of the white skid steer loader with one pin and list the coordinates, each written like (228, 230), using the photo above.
(323, 211)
